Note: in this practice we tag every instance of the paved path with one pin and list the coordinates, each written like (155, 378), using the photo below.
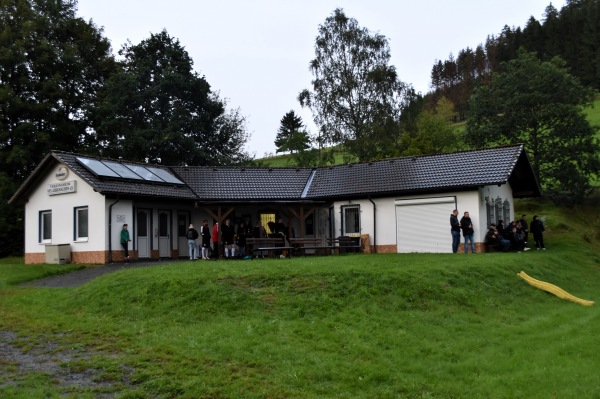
(80, 277)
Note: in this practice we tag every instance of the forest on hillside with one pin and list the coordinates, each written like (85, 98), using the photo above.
(571, 33)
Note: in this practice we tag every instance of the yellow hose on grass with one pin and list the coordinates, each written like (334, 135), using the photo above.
(559, 292)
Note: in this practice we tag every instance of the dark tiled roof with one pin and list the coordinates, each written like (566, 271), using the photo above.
(417, 174)
(398, 176)
(239, 184)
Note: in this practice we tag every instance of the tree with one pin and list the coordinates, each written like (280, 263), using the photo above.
(355, 93)
(52, 65)
(290, 123)
(540, 104)
(157, 109)
(435, 133)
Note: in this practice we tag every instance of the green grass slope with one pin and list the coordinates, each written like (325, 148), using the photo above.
(354, 326)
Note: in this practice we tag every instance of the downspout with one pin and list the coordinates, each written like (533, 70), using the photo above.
(374, 225)
(110, 256)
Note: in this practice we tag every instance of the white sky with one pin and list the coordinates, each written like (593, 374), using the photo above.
(255, 53)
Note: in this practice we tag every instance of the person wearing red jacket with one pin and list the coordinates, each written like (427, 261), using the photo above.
(215, 240)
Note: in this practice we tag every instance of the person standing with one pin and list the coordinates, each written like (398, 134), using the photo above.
(227, 233)
(192, 236)
(468, 232)
(455, 230)
(537, 228)
(242, 233)
(259, 231)
(215, 240)
(524, 228)
(125, 241)
(205, 234)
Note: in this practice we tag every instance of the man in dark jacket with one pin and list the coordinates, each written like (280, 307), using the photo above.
(494, 238)
(227, 233)
(192, 236)
(524, 228)
(468, 232)
(205, 233)
(455, 230)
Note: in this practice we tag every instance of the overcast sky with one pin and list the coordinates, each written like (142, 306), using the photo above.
(255, 53)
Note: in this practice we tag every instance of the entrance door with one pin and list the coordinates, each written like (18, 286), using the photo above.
(144, 239)
(183, 221)
(164, 234)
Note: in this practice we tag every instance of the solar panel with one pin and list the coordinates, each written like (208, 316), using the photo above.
(122, 170)
(163, 174)
(144, 173)
(97, 167)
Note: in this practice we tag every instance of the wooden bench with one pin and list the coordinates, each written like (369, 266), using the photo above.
(492, 247)
(300, 245)
(345, 243)
(268, 244)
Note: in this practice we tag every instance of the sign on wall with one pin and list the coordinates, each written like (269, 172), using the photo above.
(64, 187)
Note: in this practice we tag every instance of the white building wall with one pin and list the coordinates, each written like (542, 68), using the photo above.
(121, 213)
(386, 234)
(62, 207)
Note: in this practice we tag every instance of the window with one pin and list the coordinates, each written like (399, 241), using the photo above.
(351, 220)
(81, 223)
(489, 210)
(265, 218)
(498, 210)
(309, 225)
(45, 235)
(506, 211)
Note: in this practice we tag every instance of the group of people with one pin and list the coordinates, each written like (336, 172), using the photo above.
(466, 225)
(513, 236)
(208, 236)
(233, 240)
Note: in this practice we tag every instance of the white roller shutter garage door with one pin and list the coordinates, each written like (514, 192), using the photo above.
(423, 225)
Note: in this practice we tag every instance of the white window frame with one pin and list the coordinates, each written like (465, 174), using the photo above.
(77, 217)
(506, 211)
(43, 239)
(355, 211)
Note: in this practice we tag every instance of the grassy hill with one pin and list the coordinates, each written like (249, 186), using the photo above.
(354, 326)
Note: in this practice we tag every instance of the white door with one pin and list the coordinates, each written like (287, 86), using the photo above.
(144, 238)
(183, 221)
(164, 234)
(423, 225)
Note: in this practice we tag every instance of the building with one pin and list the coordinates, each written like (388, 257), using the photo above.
(395, 205)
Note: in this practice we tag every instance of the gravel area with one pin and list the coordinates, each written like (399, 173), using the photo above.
(20, 361)
(20, 358)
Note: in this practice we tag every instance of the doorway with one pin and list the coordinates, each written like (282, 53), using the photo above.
(144, 239)
(183, 221)
(164, 234)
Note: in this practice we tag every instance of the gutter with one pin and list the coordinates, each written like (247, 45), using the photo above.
(374, 225)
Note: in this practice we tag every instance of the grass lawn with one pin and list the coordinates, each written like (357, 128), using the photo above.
(353, 326)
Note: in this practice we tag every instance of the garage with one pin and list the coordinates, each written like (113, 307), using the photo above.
(423, 224)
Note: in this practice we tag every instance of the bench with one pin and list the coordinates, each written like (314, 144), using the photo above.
(300, 245)
(268, 244)
(492, 247)
(345, 244)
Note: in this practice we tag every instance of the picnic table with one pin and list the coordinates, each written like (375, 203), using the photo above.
(268, 245)
(345, 244)
(300, 245)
